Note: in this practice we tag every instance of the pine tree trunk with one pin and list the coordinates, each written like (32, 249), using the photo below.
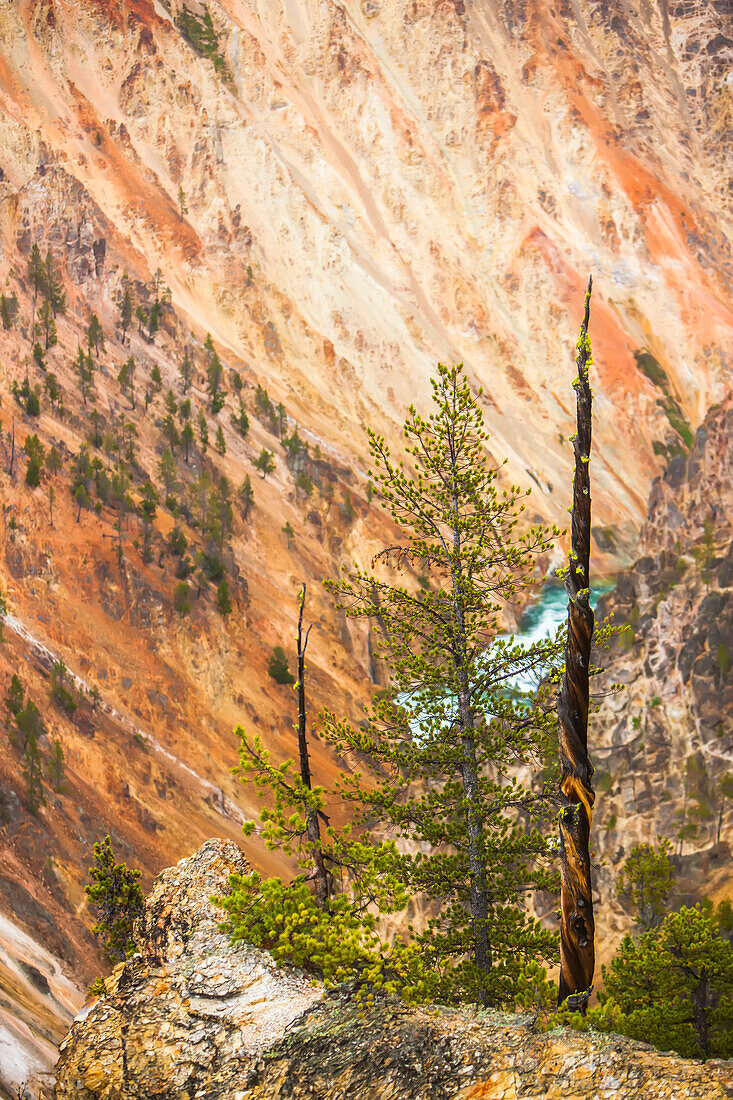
(479, 898)
(478, 895)
(577, 953)
(320, 874)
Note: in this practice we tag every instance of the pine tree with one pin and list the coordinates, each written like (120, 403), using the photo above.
(222, 507)
(443, 747)
(187, 439)
(203, 430)
(329, 929)
(263, 406)
(214, 377)
(148, 508)
(156, 380)
(15, 697)
(36, 456)
(79, 484)
(221, 443)
(115, 893)
(186, 370)
(246, 496)
(95, 335)
(154, 319)
(177, 542)
(223, 599)
(265, 462)
(277, 667)
(53, 461)
(240, 420)
(39, 356)
(33, 775)
(29, 722)
(167, 472)
(48, 324)
(182, 599)
(126, 379)
(125, 307)
(53, 287)
(646, 881)
(56, 766)
(673, 988)
(60, 693)
(36, 273)
(53, 389)
(170, 431)
(5, 314)
(83, 367)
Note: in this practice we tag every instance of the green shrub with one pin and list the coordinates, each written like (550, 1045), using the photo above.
(673, 989)
(59, 691)
(223, 599)
(115, 893)
(277, 667)
(336, 945)
(182, 599)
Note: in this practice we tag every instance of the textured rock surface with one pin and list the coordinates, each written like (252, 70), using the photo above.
(662, 745)
(189, 1007)
(191, 1017)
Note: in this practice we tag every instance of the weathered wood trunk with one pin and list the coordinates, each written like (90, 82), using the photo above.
(577, 954)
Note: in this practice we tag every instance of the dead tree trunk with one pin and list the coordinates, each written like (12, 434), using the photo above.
(577, 952)
(320, 874)
(12, 453)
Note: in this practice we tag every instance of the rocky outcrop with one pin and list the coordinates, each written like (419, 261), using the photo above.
(191, 1016)
(663, 744)
(180, 1017)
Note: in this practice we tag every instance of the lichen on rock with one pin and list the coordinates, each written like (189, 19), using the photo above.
(192, 1016)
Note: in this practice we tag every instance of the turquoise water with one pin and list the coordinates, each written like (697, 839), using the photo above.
(542, 618)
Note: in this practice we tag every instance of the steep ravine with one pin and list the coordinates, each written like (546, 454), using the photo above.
(368, 188)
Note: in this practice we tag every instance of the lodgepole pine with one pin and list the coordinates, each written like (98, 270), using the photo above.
(577, 952)
(319, 874)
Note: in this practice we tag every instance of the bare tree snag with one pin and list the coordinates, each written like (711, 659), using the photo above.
(577, 951)
(320, 874)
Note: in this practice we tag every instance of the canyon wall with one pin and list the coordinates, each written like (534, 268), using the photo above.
(340, 195)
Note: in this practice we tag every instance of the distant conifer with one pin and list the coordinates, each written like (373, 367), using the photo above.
(33, 775)
(115, 893)
(56, 766)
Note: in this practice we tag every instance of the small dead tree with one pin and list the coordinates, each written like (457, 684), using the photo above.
(320, 874)
(577, 931)
(12, 454)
